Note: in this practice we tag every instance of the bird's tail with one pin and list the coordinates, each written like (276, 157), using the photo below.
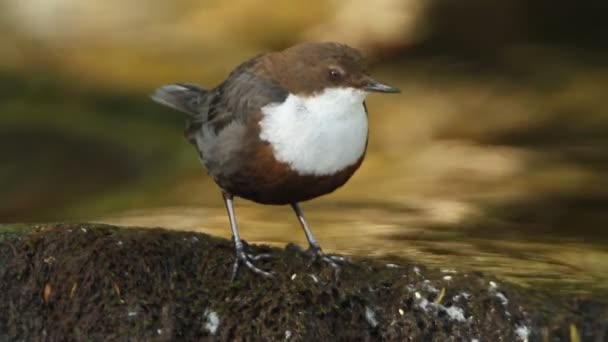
(184, 97)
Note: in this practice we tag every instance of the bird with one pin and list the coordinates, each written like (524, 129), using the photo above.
(284, 127)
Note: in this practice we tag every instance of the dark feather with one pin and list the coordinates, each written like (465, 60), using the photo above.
(184, 97)
(241, 95)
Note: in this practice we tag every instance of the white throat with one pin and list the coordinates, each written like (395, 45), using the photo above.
(320, 134)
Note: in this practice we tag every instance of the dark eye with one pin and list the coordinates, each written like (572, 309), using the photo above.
(335, 74)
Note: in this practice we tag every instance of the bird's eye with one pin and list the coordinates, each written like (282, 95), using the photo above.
(335, 74)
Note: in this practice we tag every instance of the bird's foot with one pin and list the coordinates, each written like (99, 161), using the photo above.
(247, 259)
(257, 257)
(318, 255)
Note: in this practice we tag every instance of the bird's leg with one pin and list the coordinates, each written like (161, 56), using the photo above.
(241, 255)
(314, 248)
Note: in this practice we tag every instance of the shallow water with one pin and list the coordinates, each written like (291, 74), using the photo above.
(381, 229)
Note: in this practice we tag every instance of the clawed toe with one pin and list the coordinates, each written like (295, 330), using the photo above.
(332, 260)
(339, 259)
(246, 259)
(263, 256)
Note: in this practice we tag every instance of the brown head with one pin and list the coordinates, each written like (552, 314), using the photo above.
(310, 68)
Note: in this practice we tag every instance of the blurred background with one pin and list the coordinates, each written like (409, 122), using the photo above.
(493, 158)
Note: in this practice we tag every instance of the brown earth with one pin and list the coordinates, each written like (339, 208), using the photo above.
(96, 282)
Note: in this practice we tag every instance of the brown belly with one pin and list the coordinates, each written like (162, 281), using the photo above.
(263, 179)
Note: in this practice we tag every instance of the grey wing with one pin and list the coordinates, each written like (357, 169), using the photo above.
(236, 102)
(243, 93)
(240, 96)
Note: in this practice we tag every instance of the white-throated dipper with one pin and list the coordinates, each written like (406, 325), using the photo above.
(283, 128)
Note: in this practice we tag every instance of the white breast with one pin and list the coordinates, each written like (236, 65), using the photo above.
(317, 135)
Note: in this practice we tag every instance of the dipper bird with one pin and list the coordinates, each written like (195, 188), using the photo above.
(284, 127)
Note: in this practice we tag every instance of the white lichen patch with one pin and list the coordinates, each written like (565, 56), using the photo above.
(455, 313)
(426, 285)
(424, 303)
(503, 299)
(370, 317)
(314, 278)
(392, 265)
(212, 322)
(522, 333)
(501, 296)
(447, 278)
(461, 295)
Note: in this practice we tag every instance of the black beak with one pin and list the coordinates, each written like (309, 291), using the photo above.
(377, 87)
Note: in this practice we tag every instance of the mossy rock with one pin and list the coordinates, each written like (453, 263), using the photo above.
(99, 282)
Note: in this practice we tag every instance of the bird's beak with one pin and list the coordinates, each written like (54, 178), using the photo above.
(374, 86)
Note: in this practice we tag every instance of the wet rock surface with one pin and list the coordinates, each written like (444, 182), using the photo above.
(98, 282)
